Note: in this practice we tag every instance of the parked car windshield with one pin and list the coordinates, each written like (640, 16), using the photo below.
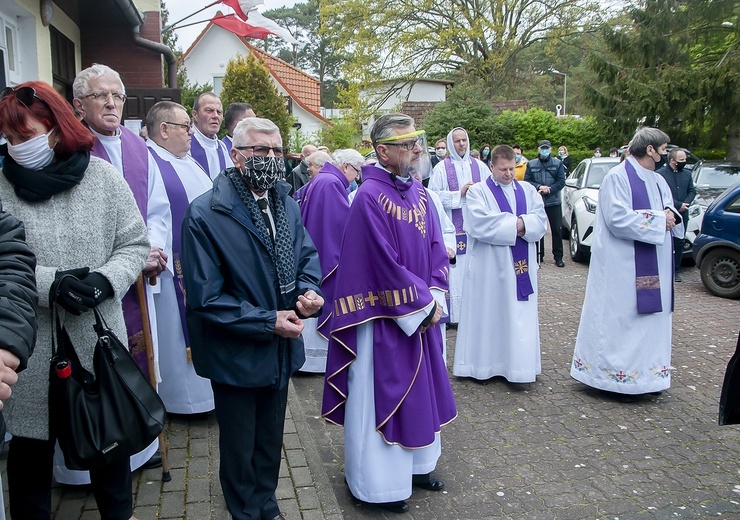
(597, 172)
(717, 175)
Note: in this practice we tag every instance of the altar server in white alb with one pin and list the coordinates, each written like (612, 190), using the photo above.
(206, 148)
(170, 131)
(499, 326)
(624, 339)
(451, 179)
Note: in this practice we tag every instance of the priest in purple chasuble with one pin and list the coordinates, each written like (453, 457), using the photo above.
(205, 147)
(624, 338)
(451, 179)
(498, 333)
(386, 381)
(99, 96)
(324, 210)
(181, 389)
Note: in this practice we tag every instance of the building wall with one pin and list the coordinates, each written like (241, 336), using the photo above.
(201, 67)
(115, 47)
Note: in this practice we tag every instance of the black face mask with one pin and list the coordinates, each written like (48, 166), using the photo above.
(680, 166)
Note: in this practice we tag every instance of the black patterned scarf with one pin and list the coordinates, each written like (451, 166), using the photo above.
(281, 252)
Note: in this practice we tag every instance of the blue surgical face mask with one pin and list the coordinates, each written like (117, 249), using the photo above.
(518, 157)
(545, 152)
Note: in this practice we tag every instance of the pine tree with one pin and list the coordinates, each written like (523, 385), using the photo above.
(247, 80)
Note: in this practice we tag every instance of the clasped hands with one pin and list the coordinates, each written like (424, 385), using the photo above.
(81, 291)
(288, 324)
(670, 219)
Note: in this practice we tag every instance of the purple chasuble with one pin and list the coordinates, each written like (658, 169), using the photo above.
(324, 209)
(135, 159)
(520, 249)
(179, 202)
(198, 153)
(392, 255)
(647, 279)
(457, 216)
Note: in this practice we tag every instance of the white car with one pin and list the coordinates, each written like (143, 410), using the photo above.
(579, 199)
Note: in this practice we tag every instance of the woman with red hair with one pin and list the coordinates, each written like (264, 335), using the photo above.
(80, 219)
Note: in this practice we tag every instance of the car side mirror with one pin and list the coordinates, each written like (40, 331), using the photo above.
(571, 183)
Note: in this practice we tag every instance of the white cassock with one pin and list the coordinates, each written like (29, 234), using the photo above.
(377, 471)
(211, 147)
(499, 335)
(448, 235)
(158, 223)
(453, 200)
(182, 390)
(618, 349)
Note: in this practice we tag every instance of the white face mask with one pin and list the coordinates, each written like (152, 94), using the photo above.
(33, 154)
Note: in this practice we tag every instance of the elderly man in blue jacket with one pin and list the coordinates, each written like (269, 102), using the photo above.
(251, 275)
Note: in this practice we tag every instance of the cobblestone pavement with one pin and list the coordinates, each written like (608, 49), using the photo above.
(556, 449)
(553, 449)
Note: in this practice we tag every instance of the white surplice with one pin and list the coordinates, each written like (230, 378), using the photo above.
(618, 349)
(499, 335)
(182, 390)
(448, 236)
(375, 470)
(453, 200)
(158, 222)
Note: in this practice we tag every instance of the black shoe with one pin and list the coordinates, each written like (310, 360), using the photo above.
(154, 462)
(559, 263)
(428, 482)
(394, 507)
(677, 278)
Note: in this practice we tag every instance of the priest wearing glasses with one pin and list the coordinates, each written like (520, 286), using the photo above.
(386, 380)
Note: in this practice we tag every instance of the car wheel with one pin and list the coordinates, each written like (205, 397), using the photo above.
(577, 251)
(720, 273)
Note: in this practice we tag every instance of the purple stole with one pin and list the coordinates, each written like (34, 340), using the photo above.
(228, 142)
(198, 153)
(520, 249)
(135, 159)
(457, 216)
(647, 279)
(178, 204)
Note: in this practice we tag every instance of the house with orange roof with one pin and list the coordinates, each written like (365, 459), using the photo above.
(206, 59)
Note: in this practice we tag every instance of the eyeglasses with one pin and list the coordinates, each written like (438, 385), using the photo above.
(187, 126)
(355, 168)
(408, 145)
(102, 97)
(23, 94)
(264, 151)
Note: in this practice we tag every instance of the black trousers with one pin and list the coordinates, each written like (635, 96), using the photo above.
(250, 423)
(30, 468)
(677, 252)
(555, 218)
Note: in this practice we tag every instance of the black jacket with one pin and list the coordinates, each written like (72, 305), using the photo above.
(682, 187)
(18, 295)
(549, 172)
(233, 293)
(298, 177)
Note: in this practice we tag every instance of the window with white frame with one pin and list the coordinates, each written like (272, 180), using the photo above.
(218, 84)
(9, 45)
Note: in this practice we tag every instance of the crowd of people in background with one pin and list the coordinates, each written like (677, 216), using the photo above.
(252, 268)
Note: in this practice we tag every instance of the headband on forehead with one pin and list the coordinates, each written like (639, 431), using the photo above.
(399, 137)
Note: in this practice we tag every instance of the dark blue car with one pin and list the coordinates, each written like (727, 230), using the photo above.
(717, 248)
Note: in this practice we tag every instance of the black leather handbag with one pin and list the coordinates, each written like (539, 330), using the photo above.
(102, 417)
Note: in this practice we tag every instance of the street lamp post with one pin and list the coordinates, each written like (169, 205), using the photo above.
(565, 86)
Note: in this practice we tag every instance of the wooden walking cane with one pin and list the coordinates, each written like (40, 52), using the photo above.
(166, 477)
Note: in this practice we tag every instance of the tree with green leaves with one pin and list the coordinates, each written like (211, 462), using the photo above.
(409, 39)
(318, 51)
(674, 64)
(247, 80)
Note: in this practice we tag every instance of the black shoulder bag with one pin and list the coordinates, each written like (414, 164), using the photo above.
(102, 417)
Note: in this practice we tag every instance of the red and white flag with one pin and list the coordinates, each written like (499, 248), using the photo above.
(250, 21)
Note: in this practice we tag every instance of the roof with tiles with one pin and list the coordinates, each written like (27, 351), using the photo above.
(303, 88)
